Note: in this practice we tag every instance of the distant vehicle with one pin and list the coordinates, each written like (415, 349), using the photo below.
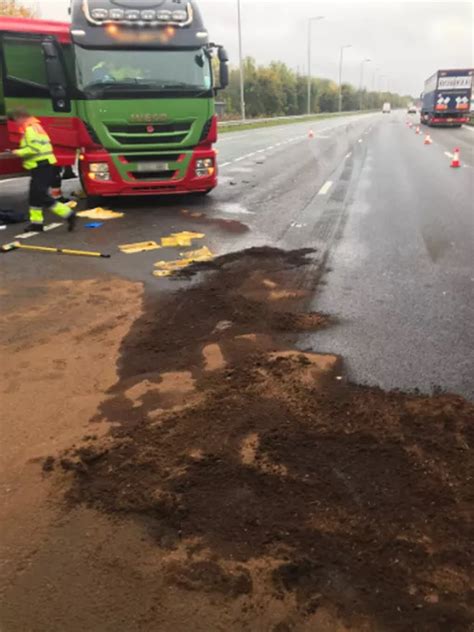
(387, 108)
(447, 98)
(412, 109)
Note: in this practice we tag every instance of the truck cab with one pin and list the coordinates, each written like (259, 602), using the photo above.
(129, 84)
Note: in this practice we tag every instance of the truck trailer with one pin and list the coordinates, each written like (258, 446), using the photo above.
(447, 98)
(127, 88)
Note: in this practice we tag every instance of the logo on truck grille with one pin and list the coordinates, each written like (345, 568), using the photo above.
(148, 118)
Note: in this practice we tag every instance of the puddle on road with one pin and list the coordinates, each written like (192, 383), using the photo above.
(229, 225)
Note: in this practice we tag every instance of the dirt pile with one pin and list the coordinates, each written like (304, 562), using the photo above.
(282, 483)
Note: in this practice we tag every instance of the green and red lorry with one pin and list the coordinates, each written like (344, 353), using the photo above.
(126, 88)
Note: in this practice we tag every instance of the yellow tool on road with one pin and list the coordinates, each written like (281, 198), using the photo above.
(16, 245)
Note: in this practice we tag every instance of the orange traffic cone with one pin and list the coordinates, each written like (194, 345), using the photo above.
(418, 130)
(310, 134)
(456, 161)
(428, 140)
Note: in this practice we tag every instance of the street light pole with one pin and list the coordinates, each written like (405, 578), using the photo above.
(364, 61)
(241, 63)
(341, 60)
(310, 21)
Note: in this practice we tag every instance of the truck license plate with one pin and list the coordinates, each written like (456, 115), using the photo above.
(152, 166)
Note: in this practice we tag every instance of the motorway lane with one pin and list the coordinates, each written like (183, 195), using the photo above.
(259, 199)
(402, 280)
(394, 219)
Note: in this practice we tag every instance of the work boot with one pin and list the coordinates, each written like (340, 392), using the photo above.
(35, 228)
(71, 222)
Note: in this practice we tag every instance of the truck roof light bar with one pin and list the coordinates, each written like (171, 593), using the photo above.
(147, 17)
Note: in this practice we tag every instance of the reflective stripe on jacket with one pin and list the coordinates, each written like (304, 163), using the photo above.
(35, 145)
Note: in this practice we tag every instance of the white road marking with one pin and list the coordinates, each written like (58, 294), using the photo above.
(13, 180)
(446, 153)
(471, 129)
(325, 188)
(318, 134)
(348, 155)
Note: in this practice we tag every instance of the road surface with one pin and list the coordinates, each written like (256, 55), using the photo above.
(389, 219)
(199, 453)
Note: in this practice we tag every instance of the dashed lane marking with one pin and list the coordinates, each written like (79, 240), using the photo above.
(446, 153)
(325, 188)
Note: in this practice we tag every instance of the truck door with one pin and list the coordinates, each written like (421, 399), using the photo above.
(29, 82)
(8, 166)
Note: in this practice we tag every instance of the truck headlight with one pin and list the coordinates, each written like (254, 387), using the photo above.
(99, 167)
(204, 167)
(99, 171)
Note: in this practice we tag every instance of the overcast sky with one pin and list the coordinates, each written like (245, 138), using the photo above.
(407, 41)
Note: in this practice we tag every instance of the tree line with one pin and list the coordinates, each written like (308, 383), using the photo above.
(277, 90)
(12, 8)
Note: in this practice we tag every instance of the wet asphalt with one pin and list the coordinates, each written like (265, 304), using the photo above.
(392, 224)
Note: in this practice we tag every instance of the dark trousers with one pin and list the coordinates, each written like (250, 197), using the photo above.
(42, 178)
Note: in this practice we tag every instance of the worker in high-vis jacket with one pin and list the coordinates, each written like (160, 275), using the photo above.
(36, 152)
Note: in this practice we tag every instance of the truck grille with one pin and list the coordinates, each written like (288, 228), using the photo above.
(152, 134)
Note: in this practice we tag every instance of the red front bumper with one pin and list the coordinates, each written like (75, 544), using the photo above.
(118, 186)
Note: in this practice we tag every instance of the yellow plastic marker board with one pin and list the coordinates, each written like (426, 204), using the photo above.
(100, 213)
(203, 254)
(144, 246)
(183, 239)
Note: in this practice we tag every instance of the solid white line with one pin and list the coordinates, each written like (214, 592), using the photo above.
(225, 164)
(13, 180)
(270, 148)
(325, 188)
(471, 129)
(446, 153)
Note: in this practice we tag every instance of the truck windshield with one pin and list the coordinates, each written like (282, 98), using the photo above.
(106, 73)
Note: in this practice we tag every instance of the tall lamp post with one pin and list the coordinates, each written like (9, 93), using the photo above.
(341, 61)
(241, 63)
(310, 22)
(363, 62)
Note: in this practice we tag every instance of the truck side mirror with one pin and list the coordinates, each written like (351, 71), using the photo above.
(223, 68)
(56, 77)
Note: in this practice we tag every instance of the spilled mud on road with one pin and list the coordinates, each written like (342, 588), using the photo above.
(270, 486)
